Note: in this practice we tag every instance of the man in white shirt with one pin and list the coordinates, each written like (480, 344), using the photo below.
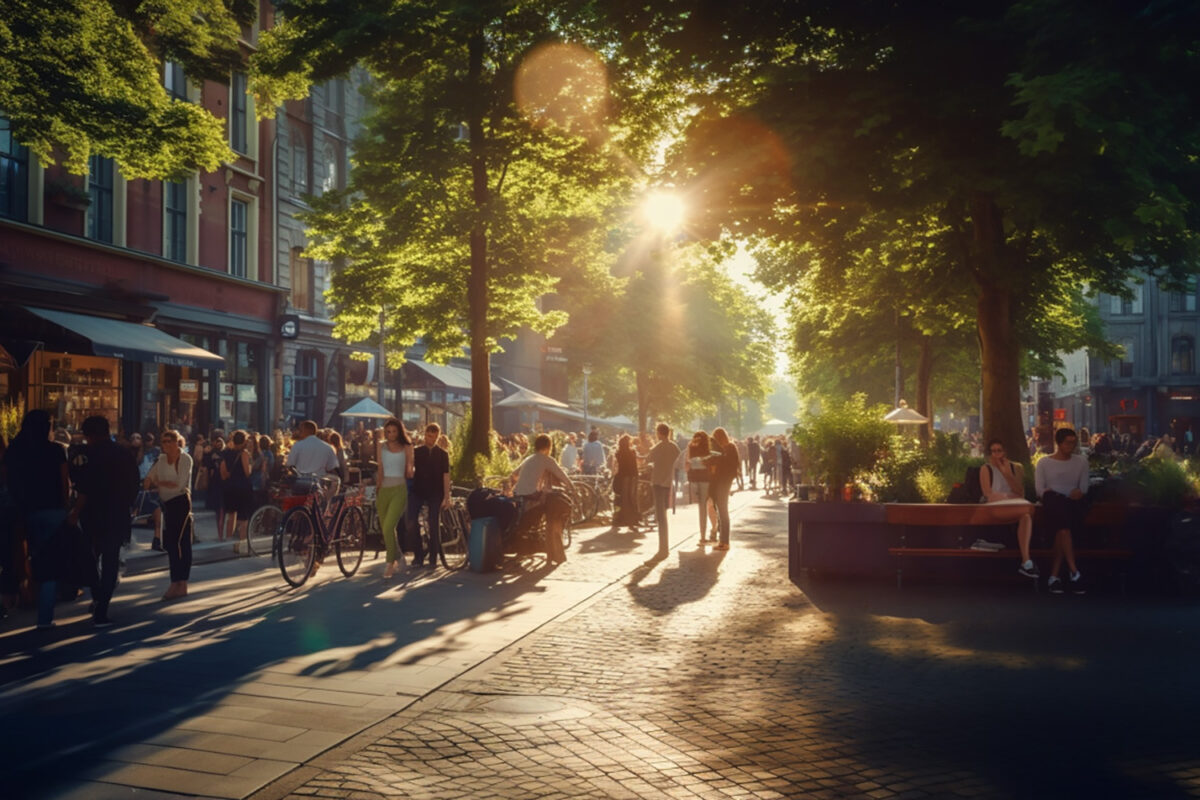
(309, 454)
(1061, 480)
(570, 455)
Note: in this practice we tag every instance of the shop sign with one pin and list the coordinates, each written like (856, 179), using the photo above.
(1060, 414)
(189, 391)
(247, 393)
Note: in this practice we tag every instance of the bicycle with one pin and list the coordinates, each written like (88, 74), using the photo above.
(454, 523)
(325, 518)
(264, 522)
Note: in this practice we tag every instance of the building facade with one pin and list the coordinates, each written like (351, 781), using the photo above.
(1154, 387)
(186, 303)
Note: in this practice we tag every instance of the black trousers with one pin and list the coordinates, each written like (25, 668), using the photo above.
(108, 532)
(177, 536)
(434, 502)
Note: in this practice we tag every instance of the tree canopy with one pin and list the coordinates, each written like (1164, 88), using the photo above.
(85, 77)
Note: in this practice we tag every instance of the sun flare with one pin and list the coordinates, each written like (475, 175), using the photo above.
(664, 211)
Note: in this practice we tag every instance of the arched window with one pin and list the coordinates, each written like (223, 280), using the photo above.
(1183, 355)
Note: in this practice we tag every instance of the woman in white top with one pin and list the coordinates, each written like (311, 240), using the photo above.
(1003, 482)
(394, 455)
(172, 476)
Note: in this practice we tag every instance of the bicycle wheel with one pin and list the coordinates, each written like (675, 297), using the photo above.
(566, 534)
(452, 531)
(585, 503)
(295, 545)
(260, 531)
(349, 540)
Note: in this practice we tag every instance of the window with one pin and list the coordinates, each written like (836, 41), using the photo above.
(1185, 300)
(237, 113)
(1125, 368)
(304, 386)
(299, 166)
(302, 281)
(1183, 355)
(332, 164)
(14, 175)
(175, 82)
(1123, 306)
(238, 237)
(176, 222)
(100, 189)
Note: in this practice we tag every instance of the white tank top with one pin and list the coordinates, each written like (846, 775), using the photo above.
(393, 467)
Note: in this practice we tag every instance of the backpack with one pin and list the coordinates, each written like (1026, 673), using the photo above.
(969, 491)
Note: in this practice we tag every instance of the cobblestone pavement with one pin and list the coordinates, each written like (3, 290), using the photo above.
(711, 675)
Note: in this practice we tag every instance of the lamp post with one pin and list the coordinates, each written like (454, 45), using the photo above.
(587, 370)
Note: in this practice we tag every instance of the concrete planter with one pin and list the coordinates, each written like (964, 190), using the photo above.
(838, 538)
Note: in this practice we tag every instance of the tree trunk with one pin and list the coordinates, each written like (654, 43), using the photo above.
(999, 350)
(924, 392)
(477, 283)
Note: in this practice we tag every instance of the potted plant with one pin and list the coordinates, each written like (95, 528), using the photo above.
(844, 442)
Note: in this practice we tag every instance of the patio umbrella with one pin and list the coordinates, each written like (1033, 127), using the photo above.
(367, 408)
(903, 415)
(774, 427)
(527, 398)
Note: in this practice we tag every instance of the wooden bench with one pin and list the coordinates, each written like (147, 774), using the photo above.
(982, 514)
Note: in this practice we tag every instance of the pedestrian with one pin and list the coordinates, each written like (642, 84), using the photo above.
(699, 475)
(261, 468)
(36, 474)
(743, 455)
(662, 467)
(752, 456)
(1061, 480)
(339, 449)
(594, 457)
(239, 494)
(394, 455)
(724, 462)
(625, 481)
(569, 459)
(105, 492)
(171, 475)
(430, 490)
(1003, 481)
(216, 487)
(309, 455)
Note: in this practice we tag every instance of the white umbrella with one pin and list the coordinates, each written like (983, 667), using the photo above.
(903, 415)
(527, 398)
(367, 408)
(773, 427)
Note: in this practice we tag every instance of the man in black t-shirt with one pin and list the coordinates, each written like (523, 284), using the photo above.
(431, 488)
(104, 491)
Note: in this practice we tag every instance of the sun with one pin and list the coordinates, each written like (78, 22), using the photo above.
(664, 211)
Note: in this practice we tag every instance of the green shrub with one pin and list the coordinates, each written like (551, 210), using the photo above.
(932, 485)
(10, 418)
(1162, 482)
(844, 441)
(911, 473)
(471, 472)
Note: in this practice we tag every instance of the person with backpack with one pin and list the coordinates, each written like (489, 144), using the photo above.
(1003, 481)
(104, 493)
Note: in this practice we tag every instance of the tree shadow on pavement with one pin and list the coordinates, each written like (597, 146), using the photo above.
(73, 695)
(612, 542)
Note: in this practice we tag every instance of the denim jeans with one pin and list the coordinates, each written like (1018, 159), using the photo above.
(40, 527)
(662, 500)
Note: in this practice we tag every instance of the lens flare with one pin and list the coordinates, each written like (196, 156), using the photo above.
(663, 211)
(565, 85)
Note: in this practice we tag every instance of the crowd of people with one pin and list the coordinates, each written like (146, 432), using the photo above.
(89, 479)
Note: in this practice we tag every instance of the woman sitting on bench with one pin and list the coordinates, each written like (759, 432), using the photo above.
(1003, 484)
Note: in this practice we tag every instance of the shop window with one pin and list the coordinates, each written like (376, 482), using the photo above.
(1183, 355)
(238, 113)
(238, 237)
(175, 222)
(100, 189)
(14, 175)
(1125, 364)
(299, 162)
(239, 384)
(302, 281)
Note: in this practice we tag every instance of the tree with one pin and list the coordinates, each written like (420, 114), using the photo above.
(459, 236)
(679, 338)
(1055, 140)
(84, 77)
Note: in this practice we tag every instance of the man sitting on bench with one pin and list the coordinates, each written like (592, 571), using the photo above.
(1062, 480)
(1003, 481)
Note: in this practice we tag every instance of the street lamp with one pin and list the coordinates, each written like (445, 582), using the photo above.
(587, 370)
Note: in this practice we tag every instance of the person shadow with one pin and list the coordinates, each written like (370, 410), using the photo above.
(688, 580)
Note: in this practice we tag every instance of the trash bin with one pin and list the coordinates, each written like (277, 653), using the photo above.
(484, 551)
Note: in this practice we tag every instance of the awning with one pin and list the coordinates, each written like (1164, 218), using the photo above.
(450, 377)
(131, 342)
